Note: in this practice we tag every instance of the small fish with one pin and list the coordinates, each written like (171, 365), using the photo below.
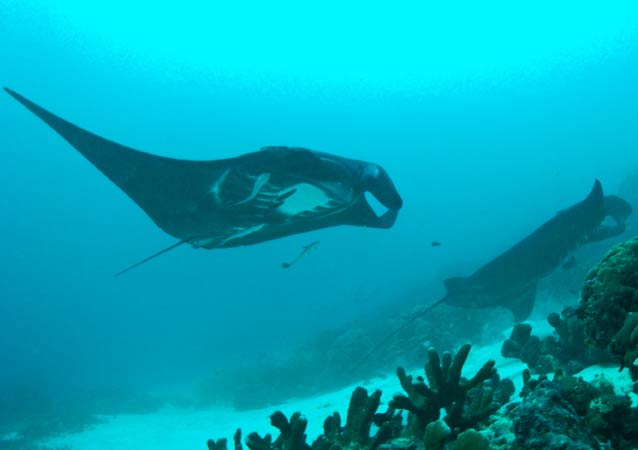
(435, 244)
(569, 264)
(304, 252)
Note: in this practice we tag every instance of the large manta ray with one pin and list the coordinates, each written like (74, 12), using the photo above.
(510, 279)
(252, 198)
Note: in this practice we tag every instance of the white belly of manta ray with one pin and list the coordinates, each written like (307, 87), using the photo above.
(306, 200)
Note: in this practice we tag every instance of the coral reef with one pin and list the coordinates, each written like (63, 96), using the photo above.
(468, 405)
(522, 345)
(546, 420)
(362, 414)
(609, 301)
(566, 351)
(564, 413)
(466, 402)
(567, 412)
(602, 328)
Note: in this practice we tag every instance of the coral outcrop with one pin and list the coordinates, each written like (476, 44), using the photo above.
(609, 303)
(570, 413)
(545, 420)
(566, 351)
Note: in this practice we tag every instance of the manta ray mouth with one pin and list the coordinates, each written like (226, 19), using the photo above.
(377, 207)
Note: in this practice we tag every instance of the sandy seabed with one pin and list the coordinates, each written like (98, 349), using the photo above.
(179, 429)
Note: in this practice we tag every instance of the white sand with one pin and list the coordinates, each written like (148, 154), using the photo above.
(179, 429)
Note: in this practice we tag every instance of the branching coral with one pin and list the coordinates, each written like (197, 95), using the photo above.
(362, 414)
(292, 434)
(447, 390)
(221, 444)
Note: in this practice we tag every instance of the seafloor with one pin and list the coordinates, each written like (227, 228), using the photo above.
(567, 382)
(173, 429)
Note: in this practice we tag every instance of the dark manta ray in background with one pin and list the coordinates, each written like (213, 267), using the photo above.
(252, 198)
(510, 279)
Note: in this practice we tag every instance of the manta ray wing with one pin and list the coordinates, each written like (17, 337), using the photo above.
(215, 199)
(170, 191)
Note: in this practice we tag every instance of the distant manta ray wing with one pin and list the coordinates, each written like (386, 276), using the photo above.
(170, 191)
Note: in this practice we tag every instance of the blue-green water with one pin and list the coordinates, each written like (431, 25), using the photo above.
(488, 117)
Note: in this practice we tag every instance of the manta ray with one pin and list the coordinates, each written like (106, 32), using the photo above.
(510, 279)
(255, 197)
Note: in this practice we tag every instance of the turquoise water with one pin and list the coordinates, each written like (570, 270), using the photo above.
(488, 118)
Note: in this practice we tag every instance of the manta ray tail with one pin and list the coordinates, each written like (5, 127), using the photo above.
(154, 255)
(396, 331)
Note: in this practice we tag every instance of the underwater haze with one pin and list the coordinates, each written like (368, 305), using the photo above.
(488, 116)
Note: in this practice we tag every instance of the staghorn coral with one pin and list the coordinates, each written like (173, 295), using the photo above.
(466, 402)
(608, 299)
